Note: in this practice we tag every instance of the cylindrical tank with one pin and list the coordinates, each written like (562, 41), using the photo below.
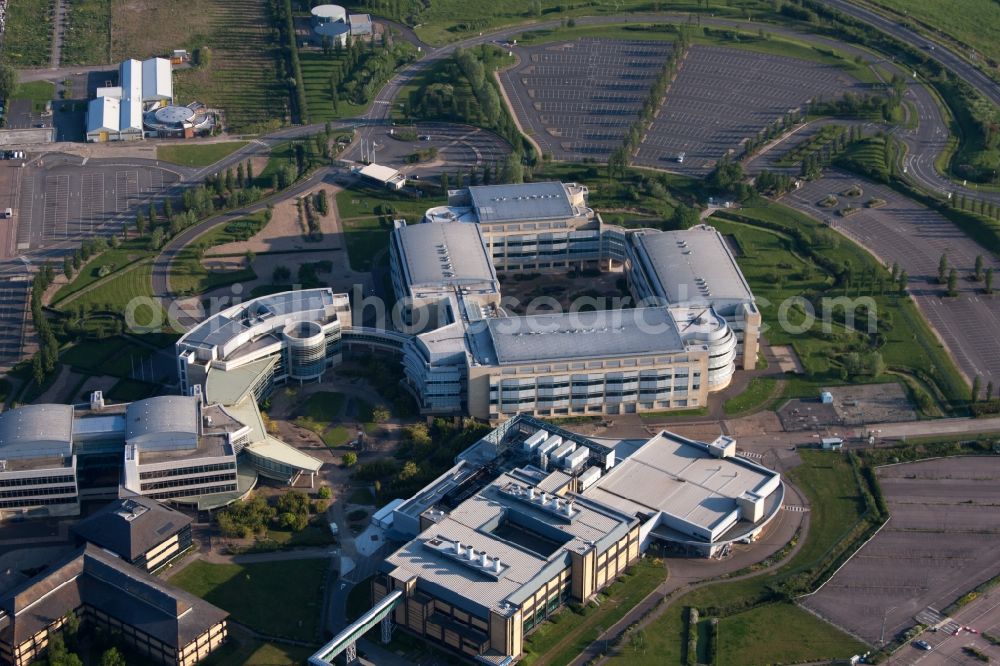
(329, 14)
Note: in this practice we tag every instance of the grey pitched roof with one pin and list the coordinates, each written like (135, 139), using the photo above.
(132, 526)
(99, 579)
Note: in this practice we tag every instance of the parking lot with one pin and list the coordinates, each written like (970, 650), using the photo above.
(914, 236)
(459, 147)
(723, 96)
(578, 99)
(62, 199)
(939, 543)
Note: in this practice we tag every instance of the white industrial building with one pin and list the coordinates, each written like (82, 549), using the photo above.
(142, 87)
(333, 22)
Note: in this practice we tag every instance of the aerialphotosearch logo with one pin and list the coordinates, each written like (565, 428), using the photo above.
(795, 315)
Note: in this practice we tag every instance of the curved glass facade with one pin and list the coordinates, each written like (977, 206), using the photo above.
(305, 351)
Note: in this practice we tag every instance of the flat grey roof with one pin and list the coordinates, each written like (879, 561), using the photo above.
(472, 523)
(581, 335)
(680, 478)
(693, 266)
(445, 253)
(524, 201)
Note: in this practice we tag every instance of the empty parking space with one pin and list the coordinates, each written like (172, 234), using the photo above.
(56, 210)
(70, 201)
(915, 237)
(13, 307)
(939, 543)
(723, 96)
(578, 99)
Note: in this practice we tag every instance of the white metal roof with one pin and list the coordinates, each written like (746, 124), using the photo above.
(130, 79)
(103, 115)
(437, 254)
(381, 173)
(157, 84)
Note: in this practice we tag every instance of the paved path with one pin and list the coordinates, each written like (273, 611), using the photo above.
(58, 31)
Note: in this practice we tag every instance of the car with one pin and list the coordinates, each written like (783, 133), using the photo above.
(425, 137)
(922, 645)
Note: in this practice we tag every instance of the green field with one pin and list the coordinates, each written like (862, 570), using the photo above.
(282, 599)
(112, 356)
(837, 510)
(197, 155)
(751, 638)
(975, 24)
(756, 395)
(87, 36)
(27, 39)
(778, 268)
(242, 76)
(451, 20)
(39, 92)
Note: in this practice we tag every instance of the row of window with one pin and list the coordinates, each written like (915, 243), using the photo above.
(190, 481)
(182, 471)
(36, 481)
(190, 492)
(34, 492)
(20, 504)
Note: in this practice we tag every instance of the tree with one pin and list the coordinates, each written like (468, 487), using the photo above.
(112, 657)
(325, 492)
(513, 170)
(37, 369)
(8, 81)
(952, 282)
(444, 183)
(350, 459)
(942, 269)
(685, 217)
(988, 281)
(281, 274)
(380, 414)
(978, 271)
(904, 279)
(140, 224)
(409, 471)
(977, 384)
(989, 391)
(68, 267)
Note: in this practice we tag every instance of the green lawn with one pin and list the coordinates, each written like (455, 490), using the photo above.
(274, 598)
(583, 628)
(363, 201)
(361, 496)
(323, 406)
(242, 76)
(114, 356)
(87, 36)
(241, 650)
(39, 92)
(197, 155)
(756, 395)
(189, 276)
(751, 638)
(114, 294)
(130, 390)
(27, 39)
(125, 255)
(364, 238)
(778, 268)
(837, 510)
